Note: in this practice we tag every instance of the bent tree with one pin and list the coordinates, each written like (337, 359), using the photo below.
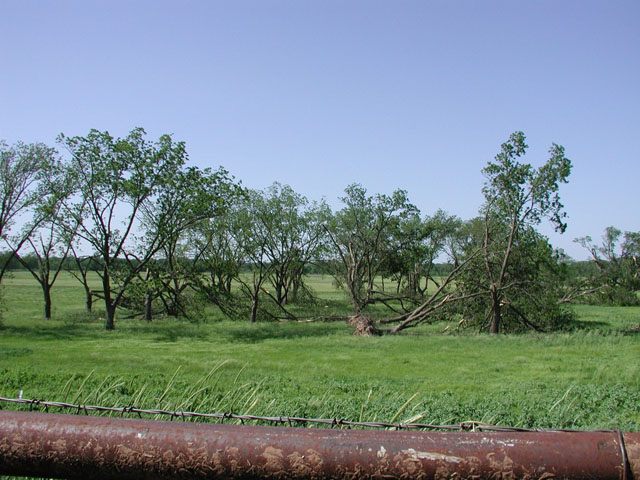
(516, 260)
(114, 178)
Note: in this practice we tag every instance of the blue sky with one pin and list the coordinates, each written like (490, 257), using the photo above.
(319, 94)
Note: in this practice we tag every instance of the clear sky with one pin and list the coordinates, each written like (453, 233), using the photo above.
(319, 94)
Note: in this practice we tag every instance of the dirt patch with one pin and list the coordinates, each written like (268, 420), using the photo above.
(363, 326)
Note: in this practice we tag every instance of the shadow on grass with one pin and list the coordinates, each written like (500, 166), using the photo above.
(167, 330)
(54, 331)
(576, 324)
(259, 332)
(177, 331)
(12, 352)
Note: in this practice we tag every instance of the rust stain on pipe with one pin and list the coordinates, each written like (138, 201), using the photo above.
(70, 446)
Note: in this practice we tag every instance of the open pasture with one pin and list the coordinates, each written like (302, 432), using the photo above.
(586, 378)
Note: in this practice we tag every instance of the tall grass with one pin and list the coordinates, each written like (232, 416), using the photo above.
(586, 378)
(526, 404)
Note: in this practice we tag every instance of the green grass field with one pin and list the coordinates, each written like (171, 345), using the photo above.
(588, 378)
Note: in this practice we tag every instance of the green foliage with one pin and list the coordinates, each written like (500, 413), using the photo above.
(417, 244)
(530, 294)
(254, 256)
(166, 239)
(616, 279)
(24, 169)
(362, 233)
(114, 180)
(522, 194)
(512, 284)
(295, 238)
(191, 197)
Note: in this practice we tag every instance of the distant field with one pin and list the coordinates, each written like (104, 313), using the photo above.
(588, 378)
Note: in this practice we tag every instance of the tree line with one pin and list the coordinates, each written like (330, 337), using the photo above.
(167, 238)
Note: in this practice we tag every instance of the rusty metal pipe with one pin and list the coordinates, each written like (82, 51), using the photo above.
(75, 446)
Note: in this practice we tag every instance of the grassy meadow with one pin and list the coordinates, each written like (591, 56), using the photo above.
(586, 378)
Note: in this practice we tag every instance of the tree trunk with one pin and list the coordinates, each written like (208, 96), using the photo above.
(354, 291)
(110, 316)
(278, 289)
(148, 301)
(175, 300)
(46, 290)
(110, 307)
(496, 314)
(254, 309)
(89, 300)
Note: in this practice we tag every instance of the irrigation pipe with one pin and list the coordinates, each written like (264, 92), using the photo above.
(75, 446)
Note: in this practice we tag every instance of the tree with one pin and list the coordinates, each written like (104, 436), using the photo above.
(262, 244)
(114, 180)
(420, 242)
(189, 197)
(617, 261)
(361, 233)
(294, 237)
(443, 235)
(515, 258)
(219, 257)
(48, 244)
(251, 238)
(22, 169)
(80, 271)
(50, 249)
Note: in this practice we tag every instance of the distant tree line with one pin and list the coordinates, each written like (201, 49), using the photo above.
(166, 238)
